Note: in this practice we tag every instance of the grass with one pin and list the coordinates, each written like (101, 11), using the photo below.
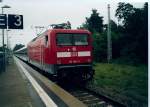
(123, 81)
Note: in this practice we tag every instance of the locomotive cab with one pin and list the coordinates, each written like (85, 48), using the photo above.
(74, 54)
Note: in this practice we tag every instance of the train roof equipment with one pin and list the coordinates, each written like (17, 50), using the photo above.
(61, 26)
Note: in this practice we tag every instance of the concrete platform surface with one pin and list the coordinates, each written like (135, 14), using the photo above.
(14, 91)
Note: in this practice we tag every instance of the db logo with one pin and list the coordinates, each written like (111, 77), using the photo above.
(73, 54)
(74, 49)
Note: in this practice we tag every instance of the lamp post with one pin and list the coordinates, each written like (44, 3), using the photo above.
(7, 38)
(5, 6)
(7, 51)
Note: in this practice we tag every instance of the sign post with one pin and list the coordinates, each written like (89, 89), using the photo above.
(3, 25)
(10, 21)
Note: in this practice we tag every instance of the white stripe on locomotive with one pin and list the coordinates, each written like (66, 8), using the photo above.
(69, 54)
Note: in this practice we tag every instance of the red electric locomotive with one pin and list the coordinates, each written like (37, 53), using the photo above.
(63, 53)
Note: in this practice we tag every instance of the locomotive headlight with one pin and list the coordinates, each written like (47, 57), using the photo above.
(89, 60)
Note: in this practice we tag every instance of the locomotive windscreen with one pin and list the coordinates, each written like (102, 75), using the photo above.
(72, 39)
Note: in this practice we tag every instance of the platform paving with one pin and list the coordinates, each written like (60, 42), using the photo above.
(14, 90)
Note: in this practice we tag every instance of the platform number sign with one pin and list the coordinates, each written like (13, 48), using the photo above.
(3, 21)
(11, 21)
(15, 21)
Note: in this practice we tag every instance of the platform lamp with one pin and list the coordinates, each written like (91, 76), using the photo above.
(5, 6)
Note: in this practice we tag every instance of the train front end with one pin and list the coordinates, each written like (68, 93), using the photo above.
(74, 54)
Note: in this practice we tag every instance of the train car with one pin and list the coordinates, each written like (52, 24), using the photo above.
(21, 53)
(63, 53)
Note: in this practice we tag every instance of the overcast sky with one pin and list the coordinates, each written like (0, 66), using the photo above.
(46, 12)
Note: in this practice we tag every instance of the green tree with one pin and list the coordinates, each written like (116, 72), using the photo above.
(115, 36)
(124, 11)
(134, 41)
(95, 22)
(100, 46)
(114, 26)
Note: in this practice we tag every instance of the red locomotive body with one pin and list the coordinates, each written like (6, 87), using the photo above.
(63, 52)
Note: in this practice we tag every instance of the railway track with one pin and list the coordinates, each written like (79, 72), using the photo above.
(89, 97)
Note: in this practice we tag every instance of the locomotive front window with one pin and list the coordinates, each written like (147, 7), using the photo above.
(80, 39)
(72, 39)
(64, 39)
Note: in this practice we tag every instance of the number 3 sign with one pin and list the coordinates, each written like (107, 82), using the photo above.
(15, 21)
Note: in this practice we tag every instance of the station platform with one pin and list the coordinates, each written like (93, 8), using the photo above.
(17, 91)
(14, 90)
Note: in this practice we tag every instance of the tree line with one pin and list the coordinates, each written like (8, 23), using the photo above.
(129, 36)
